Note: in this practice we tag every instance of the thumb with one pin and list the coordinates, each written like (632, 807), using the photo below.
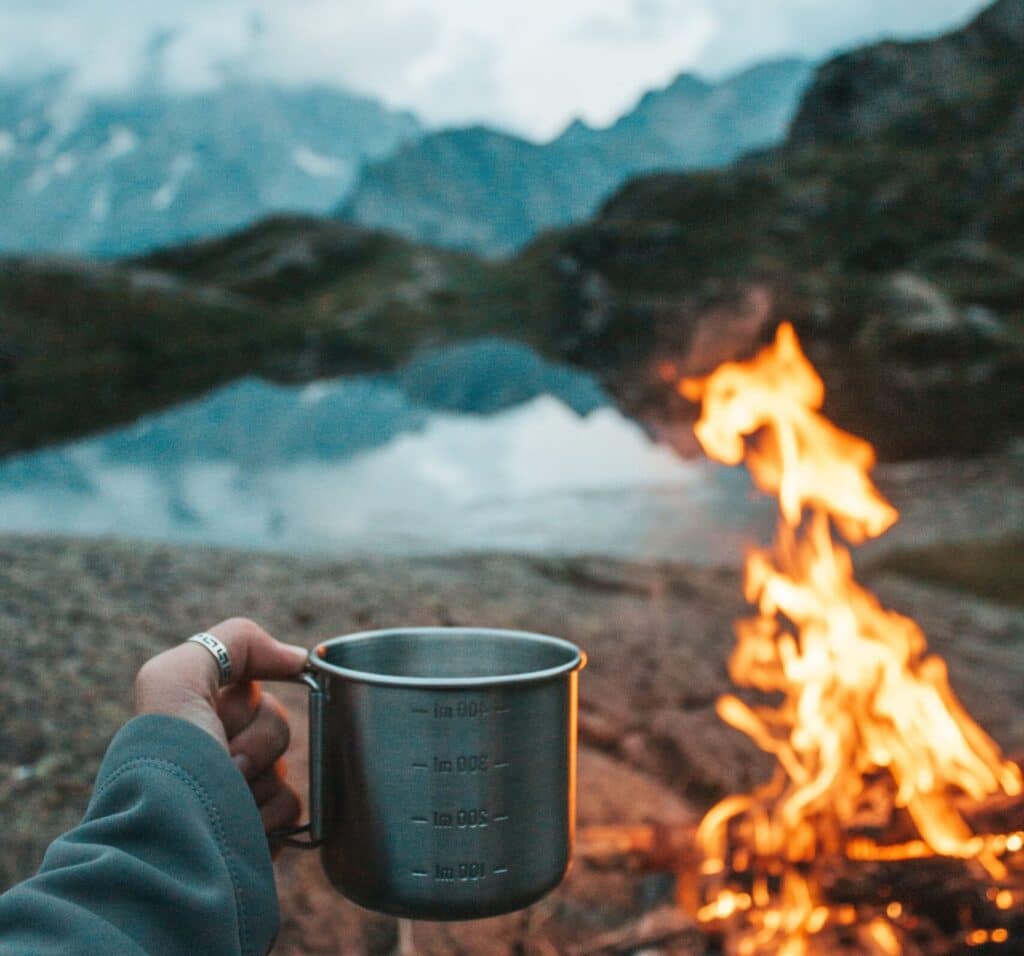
(254, 654)
(184, 681)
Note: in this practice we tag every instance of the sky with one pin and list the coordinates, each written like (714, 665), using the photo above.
(529, 66)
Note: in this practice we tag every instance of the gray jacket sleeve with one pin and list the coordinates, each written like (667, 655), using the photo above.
(170, 859)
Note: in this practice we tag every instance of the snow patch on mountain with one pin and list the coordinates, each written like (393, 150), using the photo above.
(122, 142)
(316, 164)
(99, 207)
(65, 164)
(164, 197)
(255, 149)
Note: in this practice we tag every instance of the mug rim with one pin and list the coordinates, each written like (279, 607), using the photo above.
(577, 660)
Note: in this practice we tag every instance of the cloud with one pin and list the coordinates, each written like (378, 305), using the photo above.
(527, 66)
(817, 28)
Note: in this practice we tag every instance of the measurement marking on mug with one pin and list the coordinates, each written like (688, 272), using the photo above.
(420, 873)
(464, 763)
(421, 710)
(420, 820)
(462, 709)
(499, 870)
(501, 765)
(501, 819)
(460, 872)
(421, 766)
(475, 818)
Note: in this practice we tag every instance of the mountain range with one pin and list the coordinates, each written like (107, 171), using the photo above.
(486, 191)
(116, 175)
(888, 227)
(120, 175)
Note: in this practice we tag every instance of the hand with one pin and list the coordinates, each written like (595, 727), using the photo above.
(249, 723)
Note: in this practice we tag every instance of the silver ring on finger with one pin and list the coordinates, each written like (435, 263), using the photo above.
(220, 654)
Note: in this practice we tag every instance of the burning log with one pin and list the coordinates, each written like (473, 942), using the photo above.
(672, 848)
(932, 898)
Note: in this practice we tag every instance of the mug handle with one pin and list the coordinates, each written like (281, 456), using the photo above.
(315, 827)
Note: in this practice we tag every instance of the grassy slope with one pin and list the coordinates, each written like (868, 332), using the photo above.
(86, 346)
(83, 347)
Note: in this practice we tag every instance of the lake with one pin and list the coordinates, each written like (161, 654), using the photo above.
(483, 447)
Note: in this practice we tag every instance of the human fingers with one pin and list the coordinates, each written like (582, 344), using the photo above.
(237, 706)
(281, 810)
(266, 785)
(255, 655)
(263, 741)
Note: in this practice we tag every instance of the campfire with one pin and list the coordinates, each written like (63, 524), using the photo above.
(876, 760)
(891, 825)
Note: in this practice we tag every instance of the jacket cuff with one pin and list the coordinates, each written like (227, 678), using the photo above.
(231, 813)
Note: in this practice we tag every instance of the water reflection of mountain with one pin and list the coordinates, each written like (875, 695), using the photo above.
(482, 446)
(254, 423)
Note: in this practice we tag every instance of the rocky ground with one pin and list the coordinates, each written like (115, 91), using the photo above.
(79, 616)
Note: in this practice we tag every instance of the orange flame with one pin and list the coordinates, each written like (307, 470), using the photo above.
(862, 700)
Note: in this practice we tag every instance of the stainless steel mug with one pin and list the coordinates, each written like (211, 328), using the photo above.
(442, 768)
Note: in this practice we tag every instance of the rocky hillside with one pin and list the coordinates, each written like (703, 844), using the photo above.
(889, 228)
(921, 94)
(480, 190)
(899, 256)
(118, 175)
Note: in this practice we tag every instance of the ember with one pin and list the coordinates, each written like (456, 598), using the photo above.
(869, 738)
